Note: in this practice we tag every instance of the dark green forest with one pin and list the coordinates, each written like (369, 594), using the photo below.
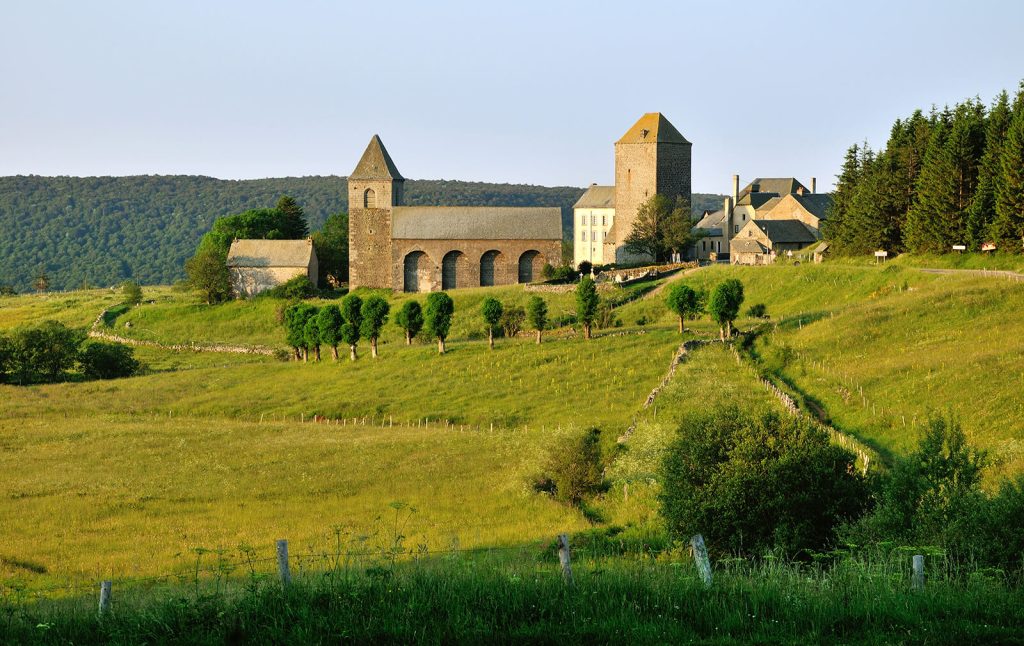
(949, 177)
(99, 231)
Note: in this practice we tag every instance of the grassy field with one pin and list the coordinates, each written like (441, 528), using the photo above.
(76, 309)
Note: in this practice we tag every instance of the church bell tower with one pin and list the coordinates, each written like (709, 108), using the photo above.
(375, 187)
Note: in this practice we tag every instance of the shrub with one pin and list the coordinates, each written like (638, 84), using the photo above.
(585, 267)
(751, 482)
(575, 468)
(296, 288)
(758, 311)
(548, 271)
(42, 353)
(132, 292)
(512, 320)
(108, 361)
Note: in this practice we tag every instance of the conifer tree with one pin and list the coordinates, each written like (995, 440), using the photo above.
(293, 219)
(1008, 228)
(981, 213)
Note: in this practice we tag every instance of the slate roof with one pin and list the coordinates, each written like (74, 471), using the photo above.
(757, 200)
(596, 197)
(653, 126)
(777, 185)
(746, 245)
(785, 230)
(476, 223)
(376, 163)
(270, 253)
(816, 204)
(711, 220)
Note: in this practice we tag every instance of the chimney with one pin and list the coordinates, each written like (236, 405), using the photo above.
(814, 185)
(727, 220)
(755, 188)
(735, 188)
(799, 190)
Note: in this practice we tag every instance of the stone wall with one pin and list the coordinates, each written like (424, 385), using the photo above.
(250, 281)
(468, 260)
(369, 247)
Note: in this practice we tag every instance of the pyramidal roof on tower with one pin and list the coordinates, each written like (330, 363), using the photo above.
(376, 163)
(652, 127)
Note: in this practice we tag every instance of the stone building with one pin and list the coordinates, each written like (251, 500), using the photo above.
(429, 248)
(258, 265)
(652, 157)
(760, 242)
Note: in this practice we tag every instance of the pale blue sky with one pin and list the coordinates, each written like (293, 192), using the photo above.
(521, 91)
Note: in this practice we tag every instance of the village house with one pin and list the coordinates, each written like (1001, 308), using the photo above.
(760, 242)
(255, 266)
(592, 216)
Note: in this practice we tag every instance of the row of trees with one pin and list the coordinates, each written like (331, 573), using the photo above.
(50, 351)
(951, 177)
(723, 305)
(308, 328)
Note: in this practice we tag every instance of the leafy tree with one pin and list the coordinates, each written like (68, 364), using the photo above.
(375, 315)
(132, 292)
(438, 317)
(352, 314)
(685, 302)
(1008, 228)
(43, 352)
(587, 302)
(512, 320)
(750, 482)
(491, 310)
(724, 304)
(293, 224)
(108, 361)
(661, 227)
(576, 466)
(254, 224)
(537, 313)
(295, 318)
(329, 322)
(41, 282)
(311, 335)
(208, 274)
(410, 319)
(331, 244)
(6, 356)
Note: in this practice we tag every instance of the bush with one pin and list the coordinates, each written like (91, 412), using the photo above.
(512, 319)
(585, 267)
(575, 468)
(751, 482)
(108, 361)
(296, 288)
(758, 311)
(43, 353)
(132, 292)
(208, 274)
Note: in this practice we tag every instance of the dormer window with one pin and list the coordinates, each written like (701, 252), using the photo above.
(369, 199)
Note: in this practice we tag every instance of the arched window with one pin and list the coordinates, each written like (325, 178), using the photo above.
(369, 199)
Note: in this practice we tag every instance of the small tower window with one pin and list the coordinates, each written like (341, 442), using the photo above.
(369, 199)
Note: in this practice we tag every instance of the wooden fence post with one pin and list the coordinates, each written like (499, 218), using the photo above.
(563, 558)
(282, 562)
(700, 557)
(105, 587)
(917, 578)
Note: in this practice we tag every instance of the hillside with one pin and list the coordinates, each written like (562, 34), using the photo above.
(102, 230)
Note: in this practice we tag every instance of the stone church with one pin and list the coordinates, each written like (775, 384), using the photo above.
(652, 157)
(430, 248)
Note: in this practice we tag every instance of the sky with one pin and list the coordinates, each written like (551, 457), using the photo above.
(517, 91)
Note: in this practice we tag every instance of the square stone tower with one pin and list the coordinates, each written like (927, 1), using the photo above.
(652, 157)
(374, 189)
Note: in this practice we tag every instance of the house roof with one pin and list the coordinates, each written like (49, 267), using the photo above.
(757, 200)
(652, 127)
(711, 220)
(476, 223)
(596, 197)
(376, 163)
(816, 204)
(270, 253)
(785, 230)
(777, 185)
(746, 245)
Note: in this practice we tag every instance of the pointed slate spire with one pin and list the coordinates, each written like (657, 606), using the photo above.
(376, 164)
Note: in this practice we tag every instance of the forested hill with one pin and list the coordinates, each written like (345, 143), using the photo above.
(99, 231)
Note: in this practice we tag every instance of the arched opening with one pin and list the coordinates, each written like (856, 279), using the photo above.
(417, 272)
(454, 270)
(489, 263)
(530, 265)
(369, 199)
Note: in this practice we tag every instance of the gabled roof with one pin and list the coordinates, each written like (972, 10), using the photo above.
(711, 220)
(476, 223)
(376, 163)
(758, 200)
(746, 245)
(652, 127)
(785, 230)
(816, 204)
(270, 253)
(777, 185)
(596, 197)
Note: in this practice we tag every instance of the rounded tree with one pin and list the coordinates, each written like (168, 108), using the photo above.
(537, 312)
(724, 305)
(410, 319)
(295, 318)
(311, 336)
(685, 302)
(587, 302)
(352, 317)
(491, 310)
(439, 313)
(329, 322)
(375, 315)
